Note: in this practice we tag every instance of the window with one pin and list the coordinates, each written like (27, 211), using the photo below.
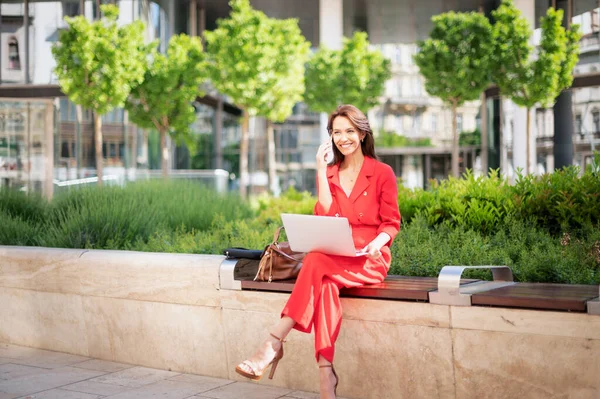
(541, 120)
(578, 124)
(14, 61)
(459, 123)
(70, 8)
(434, 122)
(596, 119)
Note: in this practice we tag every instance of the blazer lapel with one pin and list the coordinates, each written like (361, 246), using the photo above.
(364, 177)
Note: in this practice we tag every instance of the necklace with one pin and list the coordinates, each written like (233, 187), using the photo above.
(353, 173)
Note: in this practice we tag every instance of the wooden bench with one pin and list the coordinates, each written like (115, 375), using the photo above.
(239, 275)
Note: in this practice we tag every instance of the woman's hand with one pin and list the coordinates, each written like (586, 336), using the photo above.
(373, 251)
(321, 153)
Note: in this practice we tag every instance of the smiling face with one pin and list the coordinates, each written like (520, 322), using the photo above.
(345, 136)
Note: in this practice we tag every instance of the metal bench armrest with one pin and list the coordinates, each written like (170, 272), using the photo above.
(226, 276)
(449, 290)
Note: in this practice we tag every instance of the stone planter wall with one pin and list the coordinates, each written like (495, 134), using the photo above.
(167, 311)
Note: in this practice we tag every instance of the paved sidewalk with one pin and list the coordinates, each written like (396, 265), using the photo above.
(27, 373)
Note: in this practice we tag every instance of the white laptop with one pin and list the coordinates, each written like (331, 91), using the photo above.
(326, 234)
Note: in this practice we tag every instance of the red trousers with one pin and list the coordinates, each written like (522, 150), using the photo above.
(315, 299)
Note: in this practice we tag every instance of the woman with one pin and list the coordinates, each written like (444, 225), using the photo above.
(364, 190)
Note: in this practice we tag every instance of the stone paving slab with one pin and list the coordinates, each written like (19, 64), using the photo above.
(54, 375)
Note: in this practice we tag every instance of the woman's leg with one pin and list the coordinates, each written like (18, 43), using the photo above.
(269, 347)
(327, 319)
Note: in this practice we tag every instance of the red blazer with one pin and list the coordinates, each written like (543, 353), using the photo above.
(372, 207)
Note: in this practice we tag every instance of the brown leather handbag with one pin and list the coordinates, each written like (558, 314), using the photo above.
(278, 261)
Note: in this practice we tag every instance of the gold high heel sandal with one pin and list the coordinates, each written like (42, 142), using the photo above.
(256, 375)
(337, 379)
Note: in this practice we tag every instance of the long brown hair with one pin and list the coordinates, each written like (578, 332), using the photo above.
(360, 123)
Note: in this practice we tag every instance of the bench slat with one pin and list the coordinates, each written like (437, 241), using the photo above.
(539, 296)
(393, 287)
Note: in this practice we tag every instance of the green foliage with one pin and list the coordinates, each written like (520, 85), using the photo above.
(455, 59)
(470, 138)
(532, 254)
(525, 80)
(258, 61)
(98, 62)
(18, 230)
(203, 152)
(18, 204)
(478, 203)
(353, 75)
(543, 234)
(559, 202)
(391, 140)
(163, 100)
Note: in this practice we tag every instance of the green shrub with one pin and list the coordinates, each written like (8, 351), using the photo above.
(479, 203)
(16, 230)
(115, 217)
(532, 254)
(29, 207)
(561, 201)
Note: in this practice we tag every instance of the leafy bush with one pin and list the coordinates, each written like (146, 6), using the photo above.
(16, 230)
(479, 203)
(532, 254)
(392, 139)
(29, 207)
(560, 201)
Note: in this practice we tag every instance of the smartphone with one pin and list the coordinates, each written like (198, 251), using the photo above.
(329, 156)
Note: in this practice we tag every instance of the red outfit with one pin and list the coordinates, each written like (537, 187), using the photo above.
(371, 208)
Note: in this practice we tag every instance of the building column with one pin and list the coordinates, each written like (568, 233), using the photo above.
(519, 140)
(218, 134)
(331, 31)
(563, 110)
(26, 25)
(193, 18)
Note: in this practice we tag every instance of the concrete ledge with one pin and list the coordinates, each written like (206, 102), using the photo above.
(167, 311)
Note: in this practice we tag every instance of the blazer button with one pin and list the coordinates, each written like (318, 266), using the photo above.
(365, 193)
(337, 215)
(360, 215)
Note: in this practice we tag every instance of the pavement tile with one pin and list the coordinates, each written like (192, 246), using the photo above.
(205, 383)
(4, 360)
(103, 365)
(97, 388)
(13, 371)
(39, 357)
(246, 390)
(135, 377)
(303, 395)
(61, 394)
(165, 389)
(26, 382)
(4, 395)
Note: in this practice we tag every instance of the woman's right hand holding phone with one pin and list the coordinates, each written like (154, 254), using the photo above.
(322, 152)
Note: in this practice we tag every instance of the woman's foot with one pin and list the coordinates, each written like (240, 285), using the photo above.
(270, 351)
(328, 381)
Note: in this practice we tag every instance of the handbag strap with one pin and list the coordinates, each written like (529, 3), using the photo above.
(277, 233)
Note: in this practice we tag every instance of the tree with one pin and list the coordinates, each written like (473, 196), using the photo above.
(525, 80)
(455, 62)
(259, 63)
(163, 100)
(353, 75)
(97, 63)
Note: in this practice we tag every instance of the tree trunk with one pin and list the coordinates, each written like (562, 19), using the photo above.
(164, 153)
(244, 156)
(483, 131)
(271, 154)
(455, 172)
(528, 133)
(99, 155)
